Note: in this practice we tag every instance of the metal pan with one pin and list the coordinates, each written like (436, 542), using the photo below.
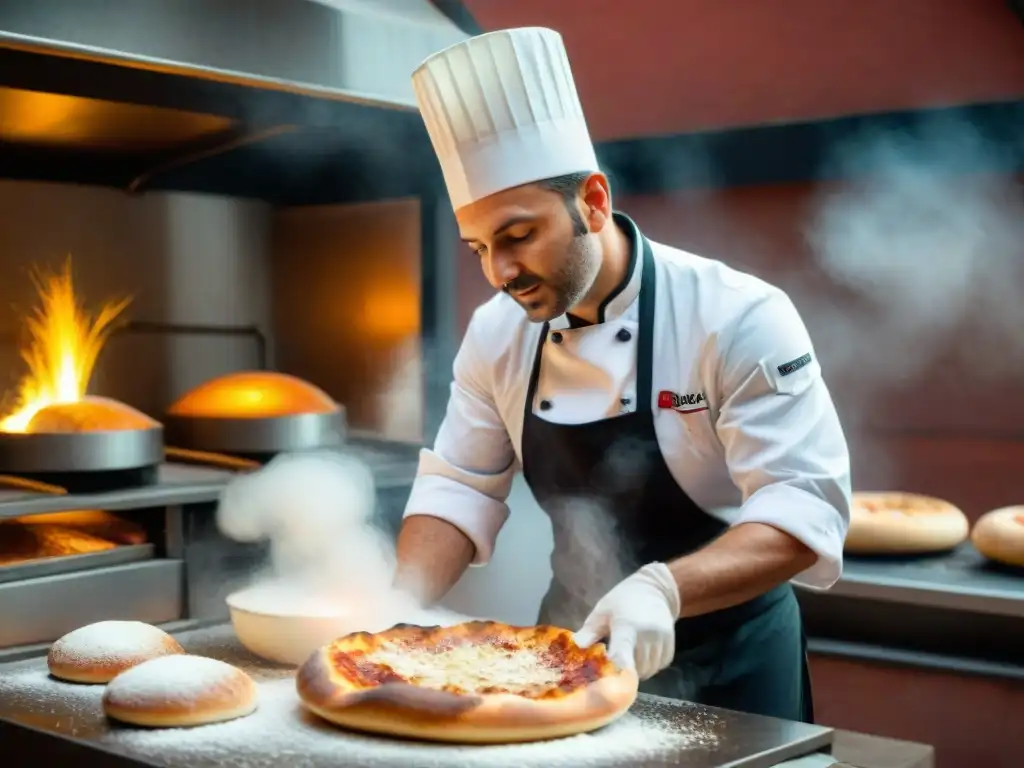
(255, 413)
(70, 445)
(59, 452)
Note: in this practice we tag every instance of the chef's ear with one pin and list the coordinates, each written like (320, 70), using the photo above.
(597, 202)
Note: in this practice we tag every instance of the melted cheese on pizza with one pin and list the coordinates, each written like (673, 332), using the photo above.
(468, 667)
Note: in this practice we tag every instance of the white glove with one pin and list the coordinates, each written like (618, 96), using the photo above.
(639, 617)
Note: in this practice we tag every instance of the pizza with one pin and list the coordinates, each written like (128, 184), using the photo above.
(896, 523)
(476, 682)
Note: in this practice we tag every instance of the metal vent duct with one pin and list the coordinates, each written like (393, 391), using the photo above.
(365, 48)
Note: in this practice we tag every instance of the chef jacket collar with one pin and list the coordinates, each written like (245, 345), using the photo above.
(625, 293)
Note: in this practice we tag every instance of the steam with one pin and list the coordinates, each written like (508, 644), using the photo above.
(317, 512)
(925, 247)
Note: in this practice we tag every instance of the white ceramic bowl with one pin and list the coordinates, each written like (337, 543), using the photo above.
(282, 627)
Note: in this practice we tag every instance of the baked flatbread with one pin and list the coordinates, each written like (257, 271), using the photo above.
(894, 523)
(999, 535)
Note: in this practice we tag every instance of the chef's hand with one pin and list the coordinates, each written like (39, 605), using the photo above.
(638, 616)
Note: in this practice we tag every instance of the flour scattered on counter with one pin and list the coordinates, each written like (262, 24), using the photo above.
(36, 682)
(281, 731)
(67, 706)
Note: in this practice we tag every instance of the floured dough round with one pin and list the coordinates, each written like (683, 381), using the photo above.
(96, 653)
(253, 395)
(999, 535)
(176, 691)
(90, 414)
(891, 523)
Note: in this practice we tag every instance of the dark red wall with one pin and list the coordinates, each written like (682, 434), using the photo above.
(645, 67)
(965, 718)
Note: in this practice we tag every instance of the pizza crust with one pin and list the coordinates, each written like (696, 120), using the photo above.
(892, 523)
(999, 535)
(411, 711)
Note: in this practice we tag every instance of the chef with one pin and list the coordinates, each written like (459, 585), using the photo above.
(667, 412)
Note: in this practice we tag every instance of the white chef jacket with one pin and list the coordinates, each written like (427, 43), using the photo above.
(751, 435)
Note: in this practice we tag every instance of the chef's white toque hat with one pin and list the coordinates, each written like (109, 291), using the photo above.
(502, 110)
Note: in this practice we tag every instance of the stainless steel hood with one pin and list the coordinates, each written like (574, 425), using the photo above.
(364, 49)
(291, 101)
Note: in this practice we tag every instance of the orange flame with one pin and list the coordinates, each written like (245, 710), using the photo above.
(64, 343)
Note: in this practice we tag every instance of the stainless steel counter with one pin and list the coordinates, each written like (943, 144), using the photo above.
(44, 719)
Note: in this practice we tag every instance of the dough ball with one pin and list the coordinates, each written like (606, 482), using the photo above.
(96, 653)
(177, 691)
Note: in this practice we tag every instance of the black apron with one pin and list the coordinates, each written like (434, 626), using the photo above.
(614, 506)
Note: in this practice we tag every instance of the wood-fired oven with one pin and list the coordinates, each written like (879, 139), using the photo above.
(216, 245)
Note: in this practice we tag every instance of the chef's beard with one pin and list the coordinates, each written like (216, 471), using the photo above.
(565, 286)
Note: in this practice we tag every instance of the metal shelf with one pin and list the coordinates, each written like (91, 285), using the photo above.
(955, 610)
(176, 484)
(393, 465)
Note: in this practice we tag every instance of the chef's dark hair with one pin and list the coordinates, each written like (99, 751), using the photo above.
(568, 186)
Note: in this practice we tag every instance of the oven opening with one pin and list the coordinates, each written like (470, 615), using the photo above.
(48, 544)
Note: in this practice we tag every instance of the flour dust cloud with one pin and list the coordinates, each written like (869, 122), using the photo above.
(316, 510)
